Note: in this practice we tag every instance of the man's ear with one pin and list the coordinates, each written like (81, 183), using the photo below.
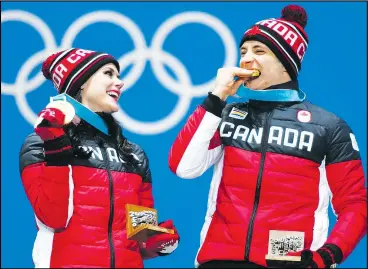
(83, 86)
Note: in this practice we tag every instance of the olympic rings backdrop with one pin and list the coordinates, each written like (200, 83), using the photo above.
(169, 53)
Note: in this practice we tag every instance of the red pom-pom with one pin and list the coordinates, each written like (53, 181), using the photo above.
(47, 64)
(296, 14)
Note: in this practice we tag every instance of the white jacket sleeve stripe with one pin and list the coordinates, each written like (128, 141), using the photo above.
(191, 150)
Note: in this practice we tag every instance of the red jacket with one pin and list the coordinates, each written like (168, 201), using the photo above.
(276, 165)
(80, 208)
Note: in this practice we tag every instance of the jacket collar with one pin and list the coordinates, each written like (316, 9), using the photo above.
(292, 85)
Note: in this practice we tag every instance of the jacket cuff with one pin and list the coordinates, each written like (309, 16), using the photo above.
(58, 151)
(331, 254)
(213, 104)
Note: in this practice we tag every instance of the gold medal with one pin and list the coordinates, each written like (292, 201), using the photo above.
(255, 72)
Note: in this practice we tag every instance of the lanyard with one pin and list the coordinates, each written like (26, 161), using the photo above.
(83, 112)
(277, 95)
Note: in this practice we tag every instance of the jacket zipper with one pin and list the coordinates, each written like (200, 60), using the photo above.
(111, 216)
(258, 186)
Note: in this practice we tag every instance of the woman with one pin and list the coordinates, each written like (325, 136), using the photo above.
(79, 180)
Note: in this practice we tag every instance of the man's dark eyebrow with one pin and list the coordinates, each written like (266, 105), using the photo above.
(257, 47)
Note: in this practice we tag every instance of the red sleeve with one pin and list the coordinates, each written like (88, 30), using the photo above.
(145, 192)
(145, 195)
(146, 199)
(47, 187)
(345, 177)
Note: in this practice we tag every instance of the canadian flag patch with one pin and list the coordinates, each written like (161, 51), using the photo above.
(238, 114)
(304, 116)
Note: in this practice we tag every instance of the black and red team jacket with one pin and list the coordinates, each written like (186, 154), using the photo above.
(276, 165)
(80, 207)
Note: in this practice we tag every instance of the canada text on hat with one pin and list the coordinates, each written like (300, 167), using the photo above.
(289, 33)
(284, 36)
(70, 68)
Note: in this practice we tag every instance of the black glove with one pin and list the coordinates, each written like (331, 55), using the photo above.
(328, 256)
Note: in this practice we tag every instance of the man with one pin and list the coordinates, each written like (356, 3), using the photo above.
(275, 161)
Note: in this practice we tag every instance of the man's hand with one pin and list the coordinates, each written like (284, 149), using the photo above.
(226, 85)
(325, 257)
